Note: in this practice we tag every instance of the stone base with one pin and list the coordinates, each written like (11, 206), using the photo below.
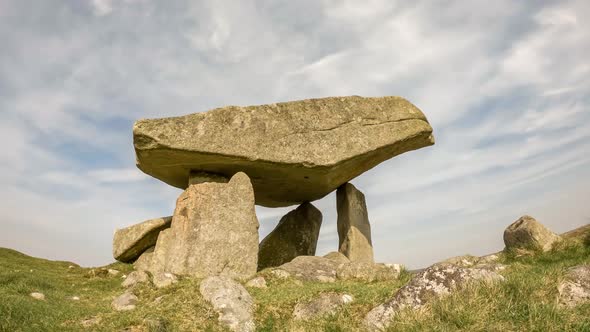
(354, 230)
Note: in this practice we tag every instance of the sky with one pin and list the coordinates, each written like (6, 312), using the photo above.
(504, 84)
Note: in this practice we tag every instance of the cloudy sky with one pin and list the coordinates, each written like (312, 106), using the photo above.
(505, 85)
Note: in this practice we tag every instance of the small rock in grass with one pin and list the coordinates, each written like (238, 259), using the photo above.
(258, 282)
(232, 302)
(90, 321)
(37, 296)
(164, 279)
(575, 289)
(75, 298)
(124, 302)
(135, 278)
(280, 274)
(113, 272)
(325, 304)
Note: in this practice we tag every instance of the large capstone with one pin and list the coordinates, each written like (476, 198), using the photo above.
(130, 242)
(294, 152)
(354, 230)
(295, 235)
(214, 231)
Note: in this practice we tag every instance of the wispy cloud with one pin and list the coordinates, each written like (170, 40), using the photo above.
(504, 84)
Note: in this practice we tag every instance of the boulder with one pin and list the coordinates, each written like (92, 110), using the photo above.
(144, 261)
(135, 278)
(337, 256)
(232, 302)
(295, 235)
(311, 268)
(125, 302)
(354, 230)
(325, 304)
(528, 233)
(433, 282)
(130, 242)
(294, 152)
(575, 289)
(368, 272)
(163, 279)
(214, 231)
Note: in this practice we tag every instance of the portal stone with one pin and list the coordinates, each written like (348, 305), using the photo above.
(214, 231)
(295, 235)
(354, 230)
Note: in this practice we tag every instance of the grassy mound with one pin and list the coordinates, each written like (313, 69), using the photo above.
(526, 301)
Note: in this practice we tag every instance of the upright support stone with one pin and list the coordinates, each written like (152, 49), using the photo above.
(214, 231)
(354, 230)
(295, 235)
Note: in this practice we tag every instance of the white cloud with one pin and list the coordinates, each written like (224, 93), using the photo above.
(504, 85)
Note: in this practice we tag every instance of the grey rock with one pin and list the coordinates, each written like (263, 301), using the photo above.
(527, 233)
(325, 304)
(163, 279)
(125, 302)
(434, 282)
(135, 278)
(311, 268)
(231, 301)
(575, 288)
(214, 232)
(258, 282)
(130, 242)
(354, 230)
(295, 235)
(38, 296)
(294, 152)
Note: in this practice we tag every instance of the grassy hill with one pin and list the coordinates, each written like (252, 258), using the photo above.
(526, 301)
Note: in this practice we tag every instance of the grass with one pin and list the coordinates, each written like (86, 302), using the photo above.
(526, 301)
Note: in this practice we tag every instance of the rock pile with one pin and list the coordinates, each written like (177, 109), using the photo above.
(231, 158)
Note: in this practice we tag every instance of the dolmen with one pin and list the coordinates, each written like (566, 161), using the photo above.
(229, 159)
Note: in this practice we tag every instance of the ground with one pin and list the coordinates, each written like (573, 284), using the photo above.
(526, 301)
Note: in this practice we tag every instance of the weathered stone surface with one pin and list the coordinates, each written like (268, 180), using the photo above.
(368, 272)
(295, 235)
(135, 278)
(294, 152)
(125, 302)
(163, 279)
(575, 289)
(144, 261)
(337, 256)
(527, 233)
(129, 243)
(311, 268)
(214, 231)
(433, 282)
(232, 302)
(354, 230)
(325, 304)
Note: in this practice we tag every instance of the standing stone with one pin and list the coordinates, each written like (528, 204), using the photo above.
(295, 235)
(528, 233)
(354, 230)
(130, 242)
(214, 231)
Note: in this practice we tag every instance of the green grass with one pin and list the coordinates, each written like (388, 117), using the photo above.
(526, 301)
